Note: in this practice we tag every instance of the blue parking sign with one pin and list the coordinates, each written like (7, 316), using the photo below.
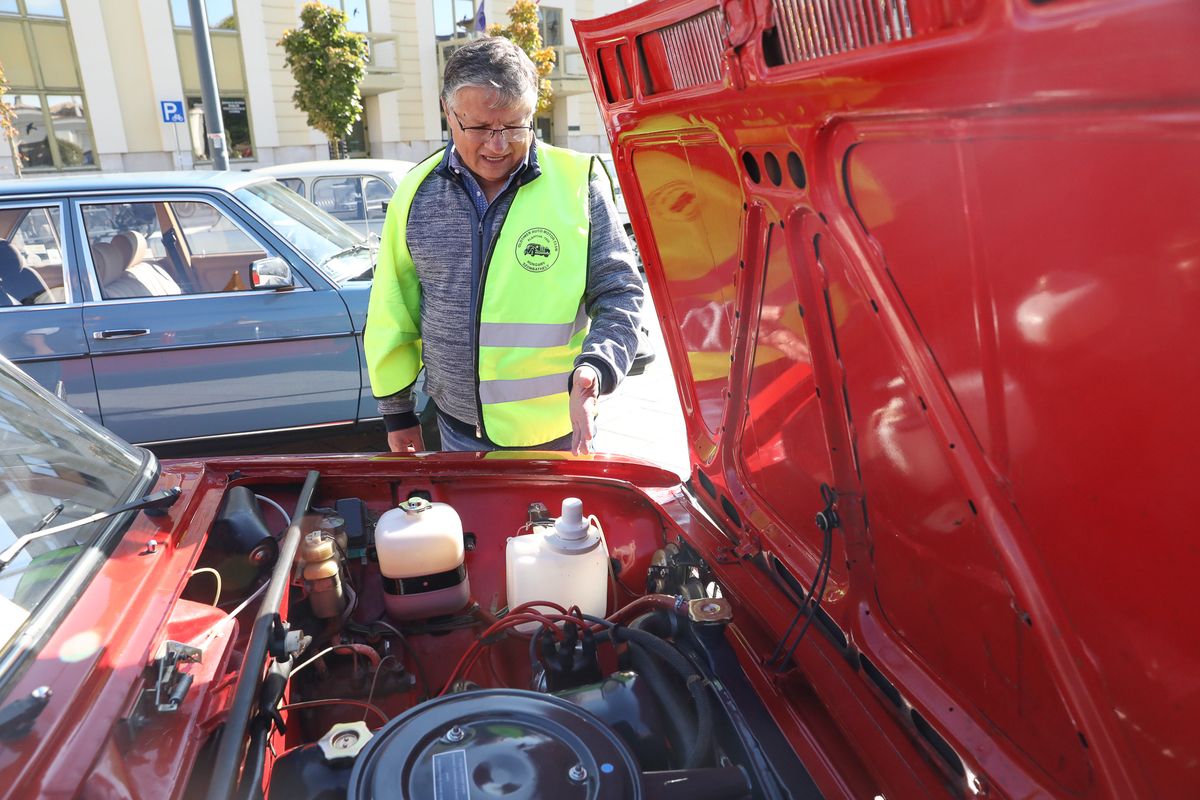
(172, 110)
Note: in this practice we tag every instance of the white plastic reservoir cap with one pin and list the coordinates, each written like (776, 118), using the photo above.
(571, 526)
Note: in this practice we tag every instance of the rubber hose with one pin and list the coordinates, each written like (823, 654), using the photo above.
(250, 785)
(679, 718)
(677, 661)
(704, 719)
(661, 624)
(658, 623)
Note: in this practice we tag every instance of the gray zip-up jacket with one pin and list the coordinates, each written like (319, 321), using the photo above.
(444, 224)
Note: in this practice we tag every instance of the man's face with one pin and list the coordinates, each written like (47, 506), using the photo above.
(491, 157)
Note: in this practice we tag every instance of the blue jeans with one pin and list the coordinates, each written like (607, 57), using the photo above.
(453, 440)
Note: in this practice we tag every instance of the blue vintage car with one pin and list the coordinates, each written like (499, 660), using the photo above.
(182, 306)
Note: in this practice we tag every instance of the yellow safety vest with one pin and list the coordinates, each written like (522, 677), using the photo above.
(530, 319)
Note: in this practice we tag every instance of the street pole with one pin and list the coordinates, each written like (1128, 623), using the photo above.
(208, 85)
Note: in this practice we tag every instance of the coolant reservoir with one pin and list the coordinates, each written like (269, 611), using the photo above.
(565, 564)
(420, 549)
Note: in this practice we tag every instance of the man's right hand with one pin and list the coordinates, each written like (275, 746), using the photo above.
(406, 440)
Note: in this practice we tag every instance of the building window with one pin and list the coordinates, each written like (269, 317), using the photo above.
(453, 18)
(237, 128)
(52, 131)
(34, 8)
(45, 91)
(550, 25)
(356, 142)
(221, 16)
(357, 18)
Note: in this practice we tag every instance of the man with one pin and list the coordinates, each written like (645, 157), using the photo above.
(497, 253)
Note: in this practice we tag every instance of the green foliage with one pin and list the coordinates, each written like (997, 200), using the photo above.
(523, 31)
(328, 63)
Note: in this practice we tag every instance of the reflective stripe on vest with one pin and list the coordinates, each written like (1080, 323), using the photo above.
(531, 334)
(531, 323)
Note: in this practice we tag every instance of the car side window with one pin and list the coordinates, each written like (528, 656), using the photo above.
(295, 184)
(378, 195)
(32, 267)
(340, 197)
(159, 249)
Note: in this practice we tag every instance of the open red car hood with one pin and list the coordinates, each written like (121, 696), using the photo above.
(943, 258)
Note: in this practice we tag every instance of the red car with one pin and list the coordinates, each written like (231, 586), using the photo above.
(926, 272)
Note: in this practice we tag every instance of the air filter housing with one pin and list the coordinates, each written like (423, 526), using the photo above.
(496, 742)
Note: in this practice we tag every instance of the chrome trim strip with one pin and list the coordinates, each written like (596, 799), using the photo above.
(210, 345)
(241, 434)
(63, 357)
(177, 297)
(58, 193)
(47, 306)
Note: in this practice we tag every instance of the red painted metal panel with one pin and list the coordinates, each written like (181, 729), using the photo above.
(993, 244)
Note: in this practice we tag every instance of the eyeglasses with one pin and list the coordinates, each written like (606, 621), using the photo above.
(513, 134)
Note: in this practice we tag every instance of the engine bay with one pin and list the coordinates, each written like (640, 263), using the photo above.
(398, 665)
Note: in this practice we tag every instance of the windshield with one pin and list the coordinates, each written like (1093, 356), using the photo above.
(55, 467)
(341, 253)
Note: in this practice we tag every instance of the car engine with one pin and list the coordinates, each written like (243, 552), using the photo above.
(434, 640)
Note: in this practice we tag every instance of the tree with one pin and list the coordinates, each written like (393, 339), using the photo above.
(523, 31)
(328, 63)
(7, 115)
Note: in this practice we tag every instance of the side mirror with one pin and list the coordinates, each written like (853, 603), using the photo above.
(271, 273)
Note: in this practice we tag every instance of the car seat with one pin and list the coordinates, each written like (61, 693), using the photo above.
(133, 248)
(18, 281)
(125, 272)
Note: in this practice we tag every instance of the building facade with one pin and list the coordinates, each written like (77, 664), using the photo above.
(112, 85)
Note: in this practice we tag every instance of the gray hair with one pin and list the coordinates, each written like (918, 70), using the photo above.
(492, 62)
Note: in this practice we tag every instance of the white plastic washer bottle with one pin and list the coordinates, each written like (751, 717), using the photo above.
(566, 563)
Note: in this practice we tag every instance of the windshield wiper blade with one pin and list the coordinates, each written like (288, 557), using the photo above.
(164, 499)
(354, 248)
(50, 515)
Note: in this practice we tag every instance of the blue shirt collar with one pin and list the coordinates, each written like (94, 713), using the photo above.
(526, 171)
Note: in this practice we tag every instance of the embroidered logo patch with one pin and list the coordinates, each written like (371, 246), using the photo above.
(537, 249)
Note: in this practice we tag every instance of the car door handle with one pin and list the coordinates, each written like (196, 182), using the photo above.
(120, 333)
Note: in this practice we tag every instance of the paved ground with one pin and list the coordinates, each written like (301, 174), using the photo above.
(642, 419)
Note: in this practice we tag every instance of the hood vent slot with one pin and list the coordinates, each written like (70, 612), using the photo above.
(809, 29)
(683, 55)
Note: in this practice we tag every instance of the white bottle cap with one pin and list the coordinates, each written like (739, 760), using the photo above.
(571, 525)
(573, 533)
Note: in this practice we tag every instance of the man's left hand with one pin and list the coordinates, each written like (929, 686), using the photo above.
(585, 389)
